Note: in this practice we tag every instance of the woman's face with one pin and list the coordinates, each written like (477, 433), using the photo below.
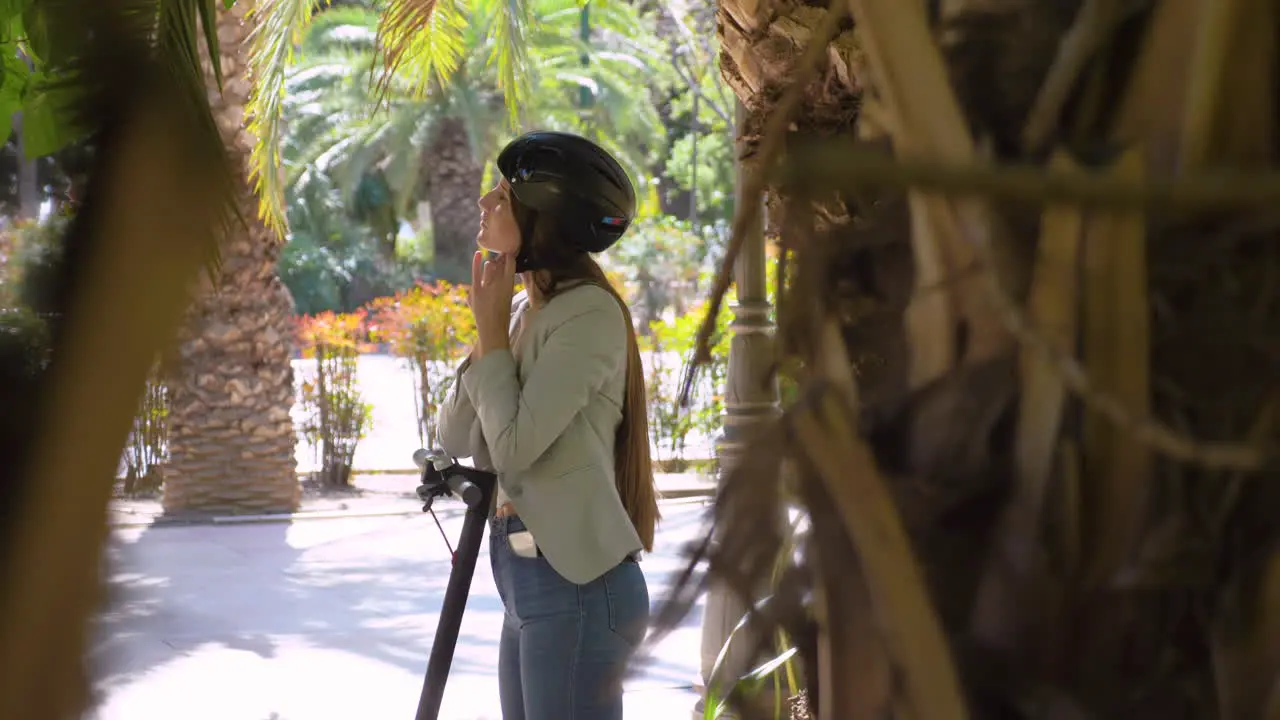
(498, 230)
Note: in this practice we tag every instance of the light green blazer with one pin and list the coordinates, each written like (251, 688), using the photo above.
(546, 424)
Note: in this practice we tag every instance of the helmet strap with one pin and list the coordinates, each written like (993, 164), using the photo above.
(524, 259)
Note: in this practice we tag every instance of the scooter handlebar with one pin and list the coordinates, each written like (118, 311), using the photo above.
(465, 490)
(438, 458)
(454, 475)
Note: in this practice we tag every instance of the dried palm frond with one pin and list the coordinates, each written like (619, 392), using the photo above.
(149, 222)
(423, 39)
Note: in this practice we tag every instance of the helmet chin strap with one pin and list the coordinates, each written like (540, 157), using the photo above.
(524, 260)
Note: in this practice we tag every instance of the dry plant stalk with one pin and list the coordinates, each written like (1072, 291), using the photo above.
(912, 84)
(1052, 306)
(900, 601)
(1116, 350)
(1217, 22)
(999, 617)
(1095, 21)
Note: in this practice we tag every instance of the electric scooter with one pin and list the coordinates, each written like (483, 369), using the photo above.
(442, 475)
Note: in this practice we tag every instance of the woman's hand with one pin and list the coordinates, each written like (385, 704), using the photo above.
(492, 283)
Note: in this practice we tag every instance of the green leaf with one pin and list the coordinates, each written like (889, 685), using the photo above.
(771, 666)
(10, 9)
(15, 74)
(46, 125)
(36, 29)
(509, 53)
(713, 706)
(209, 20)
(749, 683)
(14, 78)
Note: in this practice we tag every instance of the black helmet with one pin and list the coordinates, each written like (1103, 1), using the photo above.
(575, 179)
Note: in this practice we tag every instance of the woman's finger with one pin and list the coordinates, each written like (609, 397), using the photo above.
(476, 261)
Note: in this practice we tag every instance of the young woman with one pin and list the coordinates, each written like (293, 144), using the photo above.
(552, 398)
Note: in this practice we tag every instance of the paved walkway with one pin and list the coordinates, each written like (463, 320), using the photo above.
(381, 494)
(321, 620)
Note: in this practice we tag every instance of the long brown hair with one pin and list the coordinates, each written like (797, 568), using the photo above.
(566, 268)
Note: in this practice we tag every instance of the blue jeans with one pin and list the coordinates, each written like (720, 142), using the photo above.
(565, 647)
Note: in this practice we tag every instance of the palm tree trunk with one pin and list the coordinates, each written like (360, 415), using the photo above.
(453, 186)
(232, 439)
(1038, 454)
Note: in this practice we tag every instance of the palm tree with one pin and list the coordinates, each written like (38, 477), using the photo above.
(430, 149)
(231, 438)
(385, 163)
(232, 444)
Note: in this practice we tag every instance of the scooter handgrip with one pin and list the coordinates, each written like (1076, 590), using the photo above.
(465, 490)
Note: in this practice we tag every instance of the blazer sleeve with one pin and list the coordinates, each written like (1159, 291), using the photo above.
(457, 418)
(577, 357)
(456, 421)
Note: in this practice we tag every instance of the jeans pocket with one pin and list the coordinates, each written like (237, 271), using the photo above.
(538, 592)
(627, 597)
(498, 564)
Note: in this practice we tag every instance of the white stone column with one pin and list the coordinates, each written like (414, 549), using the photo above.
(749, 402)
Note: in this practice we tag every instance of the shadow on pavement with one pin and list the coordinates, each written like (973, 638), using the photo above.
(313, 619)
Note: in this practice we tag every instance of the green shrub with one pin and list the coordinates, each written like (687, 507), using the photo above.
(670, 346)
(147, 449)
(337, 416)
(429, 326)
(28, 251)
(661, 266)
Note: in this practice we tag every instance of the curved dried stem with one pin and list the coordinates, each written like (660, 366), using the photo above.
(848, 165)
(899, 596)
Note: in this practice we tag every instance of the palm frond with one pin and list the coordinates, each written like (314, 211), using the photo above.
(178, 38)
(496, 52)
(404, 170)
(423, 39)
(178, 34)
(621, 58)
(323, 132)
(146, 224)
(483, 112)
(323, 79)
(340, 29)
(279, 27)
(510, 23)
(540, 10)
